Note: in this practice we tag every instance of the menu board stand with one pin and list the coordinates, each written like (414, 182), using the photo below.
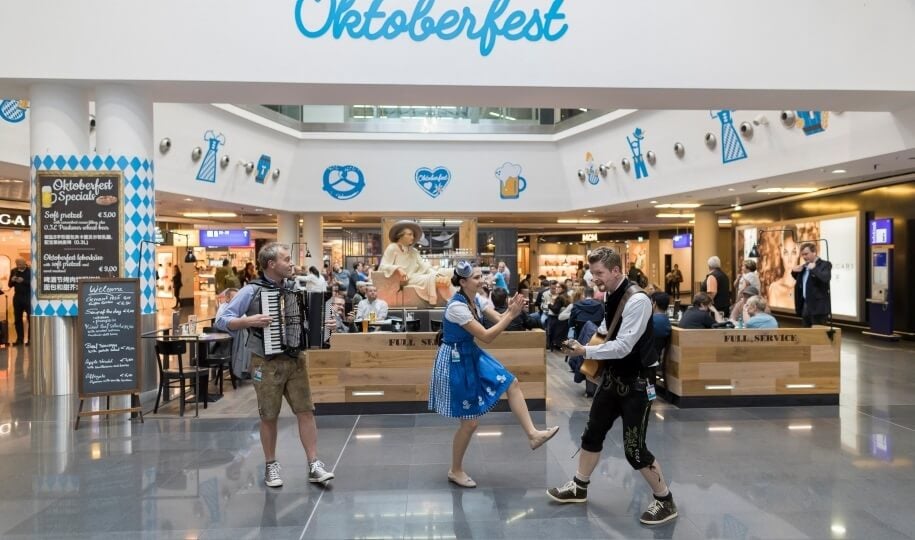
(108, 341)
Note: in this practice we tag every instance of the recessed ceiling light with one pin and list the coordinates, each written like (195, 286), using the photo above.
(210, 214)
(788, 190)
(676, 216)
(725, 221)
(258, 209)
(730, 189)
(188, 199)
(678, 205)
(839, 171)
(578, 221)
(654, 202)
(591, 211)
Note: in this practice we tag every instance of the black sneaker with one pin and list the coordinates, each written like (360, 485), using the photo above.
(572, 492)
(659, 512)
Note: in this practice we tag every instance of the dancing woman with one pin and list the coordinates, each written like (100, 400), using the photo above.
(466, 381)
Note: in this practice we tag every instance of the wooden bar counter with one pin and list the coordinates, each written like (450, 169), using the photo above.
(731, 367)
(388, 372)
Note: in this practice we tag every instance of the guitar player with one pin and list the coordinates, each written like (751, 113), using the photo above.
(626, 389)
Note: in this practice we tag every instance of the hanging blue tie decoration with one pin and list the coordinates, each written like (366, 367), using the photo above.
(13, 110)
(731, 146)
(641, 171)
(812, 122)
(207, 172)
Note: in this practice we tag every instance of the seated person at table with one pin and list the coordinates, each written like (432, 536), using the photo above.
(224, 298)
(702, 314)
(755, 315)
(360, 292)
(339, 321)
(659, 322)
(500, 304)
(586, 309)
(747, 292)
(371, 304)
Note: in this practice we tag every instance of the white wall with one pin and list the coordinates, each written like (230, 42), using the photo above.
(773, 151)
(707, 50)
(550, 168)
(389, 168)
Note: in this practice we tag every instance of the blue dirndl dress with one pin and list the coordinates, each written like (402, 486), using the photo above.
(467, 384)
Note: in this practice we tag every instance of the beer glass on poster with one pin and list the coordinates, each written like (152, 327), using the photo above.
(754, 254)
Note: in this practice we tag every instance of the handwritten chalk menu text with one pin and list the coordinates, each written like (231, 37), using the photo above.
(80, 229)
(109, 336)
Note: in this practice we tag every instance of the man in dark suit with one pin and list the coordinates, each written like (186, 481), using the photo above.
(811, 288)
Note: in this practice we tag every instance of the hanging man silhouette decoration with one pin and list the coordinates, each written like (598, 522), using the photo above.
(635, 144)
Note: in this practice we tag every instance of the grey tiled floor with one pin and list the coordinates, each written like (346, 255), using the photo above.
(787, 472)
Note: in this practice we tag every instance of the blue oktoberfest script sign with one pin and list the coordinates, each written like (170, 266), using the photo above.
(338, 18)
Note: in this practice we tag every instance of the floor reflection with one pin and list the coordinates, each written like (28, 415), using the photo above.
(781, 472)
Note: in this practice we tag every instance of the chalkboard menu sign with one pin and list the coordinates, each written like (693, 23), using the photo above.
(108, 336)
(80, 229)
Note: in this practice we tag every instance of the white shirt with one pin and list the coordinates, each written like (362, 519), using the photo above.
(635, 318)
(485, 301)
(459, 313)
(587, 277)
(379, 307)
(311, 283)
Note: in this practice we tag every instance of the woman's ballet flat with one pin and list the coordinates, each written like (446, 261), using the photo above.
(466, 482)
(549, 434)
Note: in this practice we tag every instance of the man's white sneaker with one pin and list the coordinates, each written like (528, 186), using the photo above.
(318, 474)
(272, 475)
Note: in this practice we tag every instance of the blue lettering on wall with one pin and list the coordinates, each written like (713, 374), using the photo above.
(317, 18)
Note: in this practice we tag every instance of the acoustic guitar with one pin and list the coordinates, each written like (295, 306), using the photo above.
(593, 370)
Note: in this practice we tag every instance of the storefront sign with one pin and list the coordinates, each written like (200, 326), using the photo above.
(15, 219)
(80, 230)
(225, 238)
(316, 19)
(589, 237)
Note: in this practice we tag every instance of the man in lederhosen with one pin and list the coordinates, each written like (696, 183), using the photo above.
(626, 391)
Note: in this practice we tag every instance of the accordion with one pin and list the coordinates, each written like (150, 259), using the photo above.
(287, 331)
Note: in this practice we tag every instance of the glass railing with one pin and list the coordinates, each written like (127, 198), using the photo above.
(426, 118)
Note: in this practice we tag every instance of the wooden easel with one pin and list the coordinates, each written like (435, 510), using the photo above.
(134, 408)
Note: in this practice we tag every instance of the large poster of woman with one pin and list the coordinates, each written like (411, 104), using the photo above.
(779, 247)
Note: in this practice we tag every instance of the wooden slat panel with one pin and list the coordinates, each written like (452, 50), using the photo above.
(753, 386)
(825, 353)
(387, 359)
(385, 377)
(327, 359)
(819, 369)
(323, 377)
(327, 395)
(733, 370)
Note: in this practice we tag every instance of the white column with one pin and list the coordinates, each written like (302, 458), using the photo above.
(705, 244)
(59, 125)
(313, 237)
(59, 121)
(124, 127)
(124, 121)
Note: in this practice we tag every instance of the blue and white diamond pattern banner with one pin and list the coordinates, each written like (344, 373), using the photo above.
(139, 223)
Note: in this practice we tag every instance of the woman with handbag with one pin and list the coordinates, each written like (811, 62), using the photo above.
(466, 381)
